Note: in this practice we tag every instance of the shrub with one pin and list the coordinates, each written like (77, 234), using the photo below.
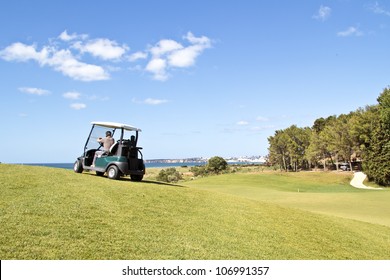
(199, 170)
(169, 175)
(217, 165)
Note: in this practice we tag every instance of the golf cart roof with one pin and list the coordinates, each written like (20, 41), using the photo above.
(116, 125)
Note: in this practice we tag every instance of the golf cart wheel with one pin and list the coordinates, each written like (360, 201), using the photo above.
(78, 166)
(136, 178)
(113, 172)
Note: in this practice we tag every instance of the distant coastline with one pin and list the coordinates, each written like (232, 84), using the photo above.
(201, 160)
(155, 164)
(165, 163)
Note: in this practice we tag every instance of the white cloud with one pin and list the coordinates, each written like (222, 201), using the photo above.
(102, 48)
(165, 46)
(72, 95)
(350, 31)
(204, 41)
(157, 66)
(151, 101)
(34, 91)
(138, 55)
(78, 106)
(376, 8)
(185, 57)
(64, 36)
(21, 52)
(65, 55)
(168, 54)
(323, 13)
(61, 60)
(242, 123)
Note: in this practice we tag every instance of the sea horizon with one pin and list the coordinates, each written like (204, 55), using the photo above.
(154, 164)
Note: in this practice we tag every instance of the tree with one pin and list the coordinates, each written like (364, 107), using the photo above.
(339, 140)
(377, 157)
(278, 149)
(364, 133)
(320, 124)
(384, 107)
(288, 147)
(362, 124)
(217, 165)
(298, 142)
(319, 146)
(317, 149)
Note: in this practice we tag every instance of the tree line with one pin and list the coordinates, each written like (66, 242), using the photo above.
(362, 136)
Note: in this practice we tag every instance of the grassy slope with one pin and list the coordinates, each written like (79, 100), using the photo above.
(57, 214)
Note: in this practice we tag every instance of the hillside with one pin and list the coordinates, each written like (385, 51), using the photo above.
(49, 213)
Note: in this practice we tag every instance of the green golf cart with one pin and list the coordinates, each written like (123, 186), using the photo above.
(123, 158)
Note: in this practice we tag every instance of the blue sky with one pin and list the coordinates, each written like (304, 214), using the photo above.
(200, 78)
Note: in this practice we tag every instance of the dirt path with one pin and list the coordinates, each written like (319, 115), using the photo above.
(358, 179)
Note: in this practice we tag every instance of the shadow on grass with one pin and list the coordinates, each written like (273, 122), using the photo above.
(160, 183)
(127, 179)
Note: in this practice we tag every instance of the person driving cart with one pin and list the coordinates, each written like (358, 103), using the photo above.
(116, 158)
(106, 143)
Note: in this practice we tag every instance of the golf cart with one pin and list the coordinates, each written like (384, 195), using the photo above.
(123, 157)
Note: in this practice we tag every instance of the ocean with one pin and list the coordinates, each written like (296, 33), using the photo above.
(147, 164)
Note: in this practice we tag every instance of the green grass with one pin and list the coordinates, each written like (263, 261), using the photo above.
(49, 213)
(320, 192)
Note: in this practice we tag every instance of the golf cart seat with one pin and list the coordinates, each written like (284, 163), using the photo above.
(113, 148)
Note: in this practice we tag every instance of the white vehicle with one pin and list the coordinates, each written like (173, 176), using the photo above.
(344, 166)
(123, 158)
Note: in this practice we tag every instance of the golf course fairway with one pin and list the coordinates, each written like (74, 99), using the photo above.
(49, 213)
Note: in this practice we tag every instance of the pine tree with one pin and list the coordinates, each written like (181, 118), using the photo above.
(377, 159)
